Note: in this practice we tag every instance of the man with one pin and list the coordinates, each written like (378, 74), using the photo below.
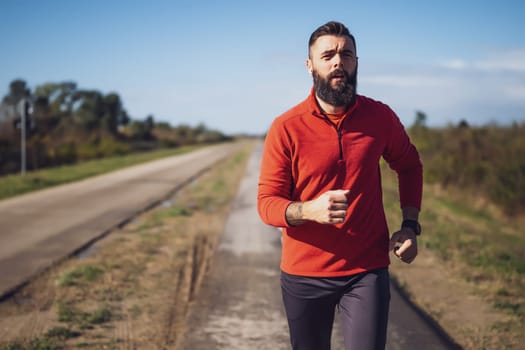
(320, 181)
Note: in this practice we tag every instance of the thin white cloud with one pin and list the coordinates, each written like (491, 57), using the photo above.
(512, 61)
(515, 92)
(456, 64)
(404, 80)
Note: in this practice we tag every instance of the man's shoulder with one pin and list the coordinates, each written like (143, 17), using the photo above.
(369, 102)
(375, 109)
(298, 111)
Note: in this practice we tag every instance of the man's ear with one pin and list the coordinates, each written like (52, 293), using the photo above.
(309, 66)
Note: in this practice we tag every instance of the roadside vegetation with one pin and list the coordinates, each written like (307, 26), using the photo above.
(478, 177)
(68, 124)
(474, 251)
(486, 161)
(133, 288)
(473, 217)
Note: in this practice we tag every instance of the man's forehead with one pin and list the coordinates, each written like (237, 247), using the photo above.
(333, 42)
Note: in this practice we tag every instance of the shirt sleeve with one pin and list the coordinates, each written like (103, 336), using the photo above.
(275, 179)
(403, 158)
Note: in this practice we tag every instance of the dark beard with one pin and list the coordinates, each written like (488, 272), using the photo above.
(342, 95)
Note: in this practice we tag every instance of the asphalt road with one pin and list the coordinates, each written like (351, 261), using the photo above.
(239, 306)
(40, 228)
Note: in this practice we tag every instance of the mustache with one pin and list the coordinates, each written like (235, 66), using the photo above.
(337, 73)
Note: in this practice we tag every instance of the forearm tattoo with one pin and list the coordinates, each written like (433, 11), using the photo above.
(294, 213)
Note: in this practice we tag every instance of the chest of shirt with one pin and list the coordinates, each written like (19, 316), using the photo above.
(322, 149)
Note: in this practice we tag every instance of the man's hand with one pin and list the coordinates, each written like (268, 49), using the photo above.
(404, 245)
(329, 208)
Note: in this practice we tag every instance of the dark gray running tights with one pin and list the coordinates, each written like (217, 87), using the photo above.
(363, 301)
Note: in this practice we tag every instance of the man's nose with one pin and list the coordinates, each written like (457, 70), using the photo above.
(338, 61)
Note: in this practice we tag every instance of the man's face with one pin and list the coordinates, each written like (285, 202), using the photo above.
(333, 64)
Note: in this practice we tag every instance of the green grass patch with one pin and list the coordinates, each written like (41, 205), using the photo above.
(158, 217)
(44, 344)
(35, 344)
(219, 186)
(62, 333)
(135, 311)
(174, 211)
(86, 273)
(510, 307)
(66, 314)
(12, 185)
(99, 316)
(462, 210)
(85, 320)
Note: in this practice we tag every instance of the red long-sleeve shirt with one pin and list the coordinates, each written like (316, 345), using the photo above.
(305, 155)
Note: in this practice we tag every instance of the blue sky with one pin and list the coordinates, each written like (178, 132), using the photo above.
(236, 65)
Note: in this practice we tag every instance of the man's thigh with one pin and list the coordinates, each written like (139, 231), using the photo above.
(364, 309)
(310, 321)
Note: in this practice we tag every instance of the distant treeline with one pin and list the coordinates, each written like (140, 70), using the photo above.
(487, 160)
(68, 124)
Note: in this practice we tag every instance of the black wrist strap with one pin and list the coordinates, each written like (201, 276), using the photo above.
(413, 224)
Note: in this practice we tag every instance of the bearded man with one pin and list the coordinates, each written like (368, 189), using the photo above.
(320, 182)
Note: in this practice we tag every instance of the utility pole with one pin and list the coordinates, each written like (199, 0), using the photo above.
(24, 109)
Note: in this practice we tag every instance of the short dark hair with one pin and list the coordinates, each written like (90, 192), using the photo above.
(330, 28)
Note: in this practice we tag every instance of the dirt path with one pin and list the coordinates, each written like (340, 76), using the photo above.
(240, 305)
